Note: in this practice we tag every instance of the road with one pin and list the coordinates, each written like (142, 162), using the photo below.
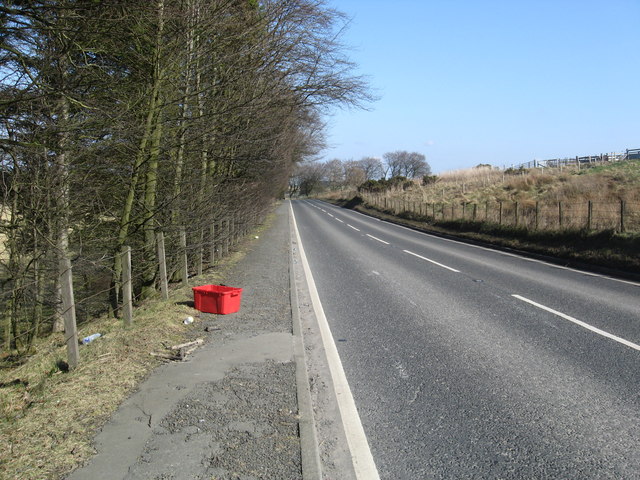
(465, 362)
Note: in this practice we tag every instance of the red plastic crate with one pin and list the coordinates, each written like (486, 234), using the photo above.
(217, 299)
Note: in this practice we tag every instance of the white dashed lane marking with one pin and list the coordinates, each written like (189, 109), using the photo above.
(377, 239)
(431, 261)
(580, 323)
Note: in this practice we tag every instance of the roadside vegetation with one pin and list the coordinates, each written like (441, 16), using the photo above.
(587, 215)
(133, 124)
(159, 130)
(49, 415)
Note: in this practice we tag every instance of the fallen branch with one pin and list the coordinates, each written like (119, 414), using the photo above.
(197, 342)
(189, 351)
(166, 356)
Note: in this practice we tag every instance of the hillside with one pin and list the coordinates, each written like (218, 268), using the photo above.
(603, 183)
(581, 215)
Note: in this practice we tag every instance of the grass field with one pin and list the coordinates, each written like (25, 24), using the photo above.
(589, 215)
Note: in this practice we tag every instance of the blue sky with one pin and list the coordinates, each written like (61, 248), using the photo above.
(486, 81)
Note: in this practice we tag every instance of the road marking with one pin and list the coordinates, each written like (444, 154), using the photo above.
(339, 220)
(330, 215)
(351, 226)
(375, 273)
(580, 323)
(506, 254)
(432, 261)
(376, 238)
(363, 463)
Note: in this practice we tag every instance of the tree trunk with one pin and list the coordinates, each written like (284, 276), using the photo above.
(62, 168)
(184, 111)
(151, 179)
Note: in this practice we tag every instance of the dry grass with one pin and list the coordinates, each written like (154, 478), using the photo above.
(472, 176)
(48, 418)
(605, 185)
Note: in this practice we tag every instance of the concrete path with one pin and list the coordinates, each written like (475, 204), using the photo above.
(232, 410)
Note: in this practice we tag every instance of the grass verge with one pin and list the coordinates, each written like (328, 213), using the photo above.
(599, 250)
(48, 417)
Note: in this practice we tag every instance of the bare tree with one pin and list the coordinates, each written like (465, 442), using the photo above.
(334, 173)
(307, 178)
(122, 118)
(372, 168)
(354, 174)
(406, 164)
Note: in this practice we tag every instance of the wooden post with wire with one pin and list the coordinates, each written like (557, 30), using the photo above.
(183, 253)
(212, 244)
(127, 297)
(162, 260)
(69, 313)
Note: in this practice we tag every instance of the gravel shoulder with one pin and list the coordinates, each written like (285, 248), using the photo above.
(231, 410)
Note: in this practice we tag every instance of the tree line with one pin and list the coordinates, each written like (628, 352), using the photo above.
(310, 176)
(122, 118)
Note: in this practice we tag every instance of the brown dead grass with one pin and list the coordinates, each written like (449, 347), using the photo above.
(48, 423)
(606, 184)
(48, 418)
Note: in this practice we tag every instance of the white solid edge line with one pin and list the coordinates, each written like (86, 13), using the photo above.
(581, 323)
(376, 238)
(432, 261)
(363, 463)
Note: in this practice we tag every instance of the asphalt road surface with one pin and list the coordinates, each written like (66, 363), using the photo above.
(466, 362)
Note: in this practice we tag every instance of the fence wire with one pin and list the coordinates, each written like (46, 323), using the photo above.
(618, 216)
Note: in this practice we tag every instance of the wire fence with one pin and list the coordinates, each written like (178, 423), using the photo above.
(32, 302)
(619, 216)
(578, 161)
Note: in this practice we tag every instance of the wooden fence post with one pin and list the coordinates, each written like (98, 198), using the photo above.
(516, 213)
(200, 253)
(234, 230)
(560, 214)
(500, 214)
(69, 313)
(589, 214)
(183, 254)
(537, 216)
(622, 216)
(212, 245)
(127, 296)
(227, 230)
(162, 261)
